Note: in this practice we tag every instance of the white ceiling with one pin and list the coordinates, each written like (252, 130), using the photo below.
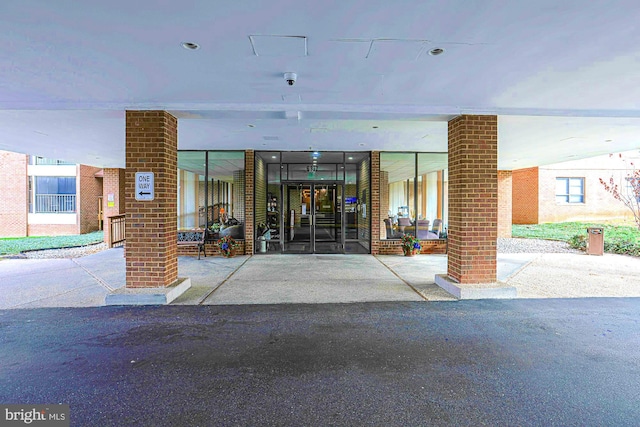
(561, 75)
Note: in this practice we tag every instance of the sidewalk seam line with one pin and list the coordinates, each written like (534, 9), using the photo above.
(203, 299)
(403, 281)
(99, 280)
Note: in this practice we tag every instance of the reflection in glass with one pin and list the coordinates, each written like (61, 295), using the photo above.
(211, 187)
(416, 197)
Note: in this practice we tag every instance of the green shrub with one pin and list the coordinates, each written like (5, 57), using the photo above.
(579, 241)
(623, 248)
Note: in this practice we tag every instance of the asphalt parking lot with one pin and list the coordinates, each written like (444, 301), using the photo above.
(525, 362)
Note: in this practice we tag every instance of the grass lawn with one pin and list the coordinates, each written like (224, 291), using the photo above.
(15, 245)
(621, 238)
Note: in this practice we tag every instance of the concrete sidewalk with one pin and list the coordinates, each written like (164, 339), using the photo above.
(275, 279)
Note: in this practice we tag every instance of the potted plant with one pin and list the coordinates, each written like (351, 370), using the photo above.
(410, 245)
(226, 245)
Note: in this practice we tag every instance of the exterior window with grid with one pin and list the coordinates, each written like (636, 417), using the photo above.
(55, 194)
(570, 190)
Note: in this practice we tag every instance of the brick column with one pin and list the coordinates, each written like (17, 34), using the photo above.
(473, 199)
(375, 202)
(151, 146)
(249, 185)
(504, 203)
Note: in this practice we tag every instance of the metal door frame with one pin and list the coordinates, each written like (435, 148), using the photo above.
(337, 184)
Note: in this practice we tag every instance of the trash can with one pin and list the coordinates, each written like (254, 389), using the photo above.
(595, 241)
(263, 244)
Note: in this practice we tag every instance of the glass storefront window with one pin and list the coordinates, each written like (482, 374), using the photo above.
(413, 194)
(312, 202)
(211, 191)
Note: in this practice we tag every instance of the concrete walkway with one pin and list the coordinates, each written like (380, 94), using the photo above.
(274, 279)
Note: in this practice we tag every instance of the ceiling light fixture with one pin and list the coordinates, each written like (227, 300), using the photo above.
(436, 51)
(190, 45)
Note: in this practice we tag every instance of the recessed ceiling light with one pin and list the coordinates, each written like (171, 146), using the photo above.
(608, 140)
(251, 126)
(350, 158)
(375, 127)
(362, 144)
(436, 51)
(190, 45)
(274, 157)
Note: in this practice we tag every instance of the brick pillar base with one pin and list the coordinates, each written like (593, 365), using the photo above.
(151, 146)
(473, 199)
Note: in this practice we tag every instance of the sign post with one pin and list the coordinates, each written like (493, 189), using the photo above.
(144, 186)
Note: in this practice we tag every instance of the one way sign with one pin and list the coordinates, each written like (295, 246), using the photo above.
(144, 185)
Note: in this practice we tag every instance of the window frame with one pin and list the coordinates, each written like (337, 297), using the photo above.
(568, 194)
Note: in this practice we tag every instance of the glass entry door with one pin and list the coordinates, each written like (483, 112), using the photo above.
(313, 221)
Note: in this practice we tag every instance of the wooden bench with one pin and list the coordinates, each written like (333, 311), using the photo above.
(193, 238)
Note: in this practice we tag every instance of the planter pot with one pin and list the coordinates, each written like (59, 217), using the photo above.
(228, 254)
(410, 252)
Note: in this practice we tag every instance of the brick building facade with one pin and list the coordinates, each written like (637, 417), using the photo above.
(538, 193)
(24, 214)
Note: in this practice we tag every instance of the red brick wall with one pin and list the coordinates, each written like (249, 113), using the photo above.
(375, 202)
(114, 183)
(151, 146)
(504, 203)
(394, 247)
(473, 198)
(525, 196)
(249, 159)
(89, 190)
(15, 203)
(211, 249)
